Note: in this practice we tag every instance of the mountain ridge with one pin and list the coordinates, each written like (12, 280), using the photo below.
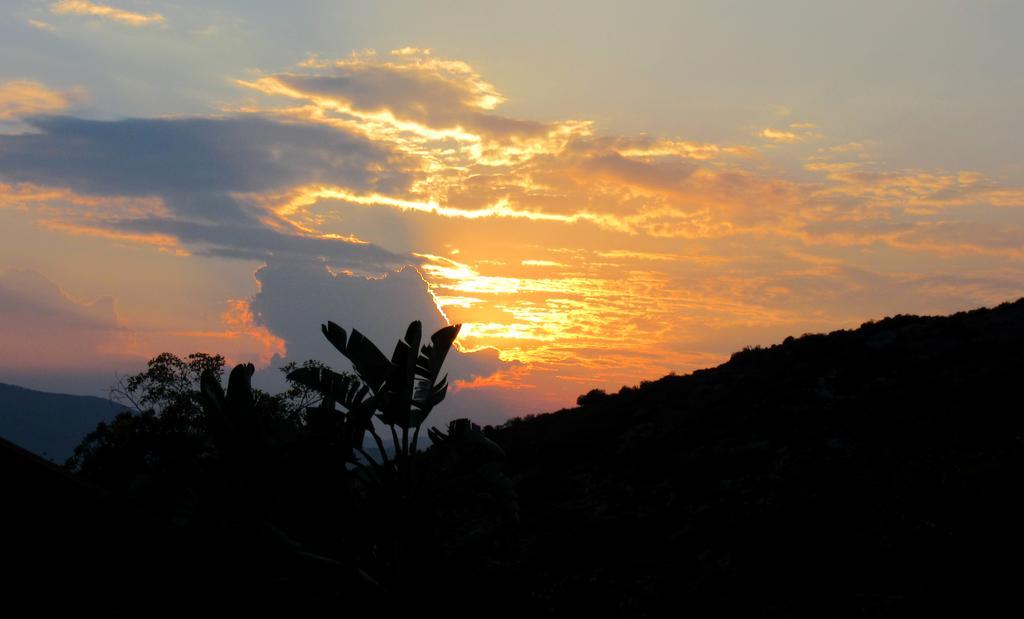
(874, 471)
(50, 424)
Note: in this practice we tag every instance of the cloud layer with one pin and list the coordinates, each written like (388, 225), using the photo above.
(574, 257)
(187, 180)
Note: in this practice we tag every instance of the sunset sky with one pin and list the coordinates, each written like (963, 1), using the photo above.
(601, 192)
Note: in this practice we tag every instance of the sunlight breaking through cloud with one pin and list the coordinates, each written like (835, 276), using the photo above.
(580, 257)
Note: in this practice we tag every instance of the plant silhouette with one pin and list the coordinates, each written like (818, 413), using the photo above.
(869, 472)
(399, 392)
(302, 487)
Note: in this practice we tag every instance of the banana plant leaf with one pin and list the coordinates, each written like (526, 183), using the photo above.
(402, 381)
(237, 428)
(214, 405)
(349, 392)
(239, 397)
(406, 387)
(328, 383)
(429, 392)
(369, 362)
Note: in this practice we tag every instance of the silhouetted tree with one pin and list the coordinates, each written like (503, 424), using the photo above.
(162, 438)
(592, 397)
(284, 482)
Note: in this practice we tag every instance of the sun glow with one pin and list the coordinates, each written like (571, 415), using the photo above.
(584, 256)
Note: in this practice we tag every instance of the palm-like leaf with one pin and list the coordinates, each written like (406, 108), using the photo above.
(369, 362)
(405, 388)
(234, 420)
(429, 392)
(397, 407)
(231, 415)
(348, 391)
(341, 388)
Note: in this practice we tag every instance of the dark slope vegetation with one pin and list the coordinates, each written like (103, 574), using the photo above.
(860, 473)
(73, 549)
(876, 472)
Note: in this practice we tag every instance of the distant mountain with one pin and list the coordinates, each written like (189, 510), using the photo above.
(50, 424)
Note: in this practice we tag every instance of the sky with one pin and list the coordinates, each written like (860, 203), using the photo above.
(600, 192)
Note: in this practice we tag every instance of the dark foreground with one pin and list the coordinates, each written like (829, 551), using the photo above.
(875, 472)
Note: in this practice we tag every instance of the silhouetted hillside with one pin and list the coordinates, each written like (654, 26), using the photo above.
(868, 473)
(874, 472)
(50, 424)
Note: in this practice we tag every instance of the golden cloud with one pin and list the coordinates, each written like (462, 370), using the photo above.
(23, 98)
(83, 7)
(588, 256)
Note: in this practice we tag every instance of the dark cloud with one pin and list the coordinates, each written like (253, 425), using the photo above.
(194, 163)
(253, 241)
(198, 167)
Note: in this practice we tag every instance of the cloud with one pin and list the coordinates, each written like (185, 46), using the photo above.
(779, 136)
(585, 258)
(413, 132)
(294, 299)
(579, 315)
(43, 327)
(412, 98)
(83, 7)
(21, 99)
(241, 339)
(476, 163)
(796, 132)
(911, 190)
(191, 180)
(185, 158)
(51, 340)
(41, 25)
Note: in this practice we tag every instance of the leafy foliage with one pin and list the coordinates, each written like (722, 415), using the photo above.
(402, 391)
(872, 472)
(161, 439)
(399, 488)
(168, 382)
(289, 478)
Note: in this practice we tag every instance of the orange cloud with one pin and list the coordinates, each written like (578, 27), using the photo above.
(418, 102)
(587, 258)
(83, 7)
(796, 132)
(241, 323)
(779, 136)
(22, 98)
(512, 379)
